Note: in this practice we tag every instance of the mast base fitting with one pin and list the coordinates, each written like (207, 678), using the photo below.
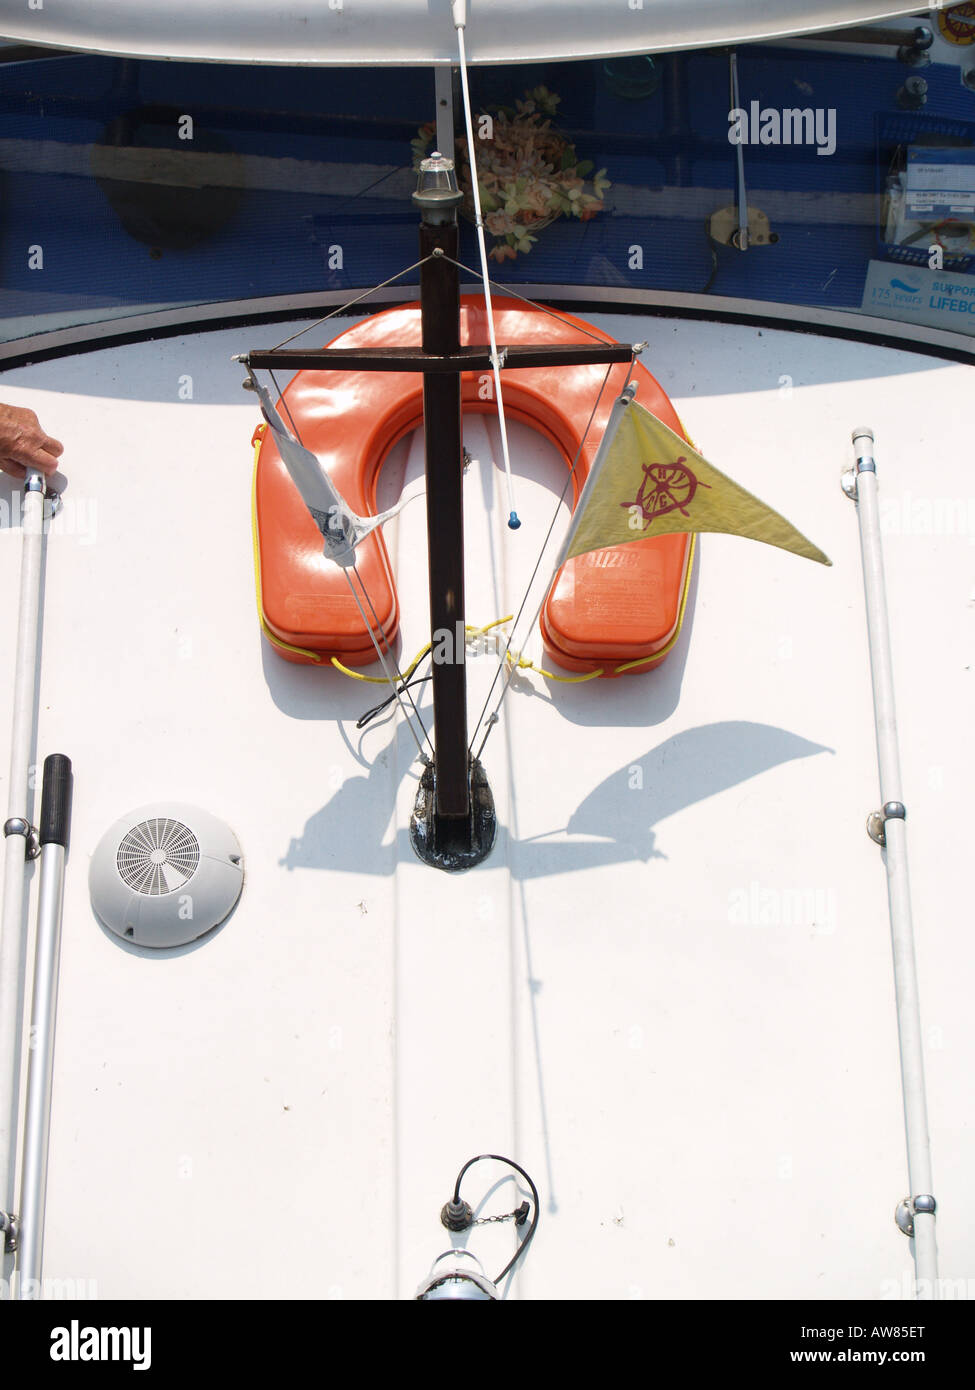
(453, 842)
(906, 1210)
(16, 825)
(457, 1216)
(877, 820)
(11, 1230)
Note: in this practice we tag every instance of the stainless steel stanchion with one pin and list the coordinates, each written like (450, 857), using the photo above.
(53, 836)
(916, 1213)
(20, 840)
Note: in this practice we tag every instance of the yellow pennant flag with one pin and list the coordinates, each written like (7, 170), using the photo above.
(652, 483)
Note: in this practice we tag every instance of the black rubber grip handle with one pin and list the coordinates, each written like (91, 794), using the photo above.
(55, 800)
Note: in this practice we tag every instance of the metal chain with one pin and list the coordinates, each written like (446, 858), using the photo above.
(520, 1215)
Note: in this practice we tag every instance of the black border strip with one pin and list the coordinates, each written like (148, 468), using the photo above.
(168, 323)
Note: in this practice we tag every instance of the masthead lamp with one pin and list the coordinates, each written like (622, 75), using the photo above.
(437, 195)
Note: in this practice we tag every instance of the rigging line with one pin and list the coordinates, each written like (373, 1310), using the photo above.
(361, 192)
(365, 592)
(505, 288)
(390, 677)
(282, 398)
(459, 21)
(395, 686)
(503, 663)
(382, 658)
(343, 308)
(514, 626)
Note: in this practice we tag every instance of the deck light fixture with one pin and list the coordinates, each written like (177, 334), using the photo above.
(437, 195)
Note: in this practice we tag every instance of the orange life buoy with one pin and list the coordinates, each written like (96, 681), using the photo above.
(607, 608)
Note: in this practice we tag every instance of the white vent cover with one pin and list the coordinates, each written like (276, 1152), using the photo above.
(164, 875)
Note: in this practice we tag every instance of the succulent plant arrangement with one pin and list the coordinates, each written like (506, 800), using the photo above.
(528, 174)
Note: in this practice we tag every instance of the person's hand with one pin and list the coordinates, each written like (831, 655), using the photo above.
(24, 445)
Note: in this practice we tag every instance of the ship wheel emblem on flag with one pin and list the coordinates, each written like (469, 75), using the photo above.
(666, 487)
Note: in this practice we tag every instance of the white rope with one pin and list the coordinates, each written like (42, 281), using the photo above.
(460, 19)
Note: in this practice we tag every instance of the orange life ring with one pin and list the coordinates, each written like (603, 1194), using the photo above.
(607, 608)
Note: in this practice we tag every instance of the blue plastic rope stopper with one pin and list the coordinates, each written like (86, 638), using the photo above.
(513, 522)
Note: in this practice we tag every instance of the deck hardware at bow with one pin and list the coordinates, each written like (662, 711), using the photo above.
(877, 820)
(455, 1280)
(449, 842)
(456, 1215)
(906, 1210)
(889, 828)
(10, 1227)
(16, 825)
(453, 825)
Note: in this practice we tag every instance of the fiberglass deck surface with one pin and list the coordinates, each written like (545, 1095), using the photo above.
(668, 993)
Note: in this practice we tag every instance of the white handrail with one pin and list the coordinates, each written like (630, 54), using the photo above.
(920, 1204)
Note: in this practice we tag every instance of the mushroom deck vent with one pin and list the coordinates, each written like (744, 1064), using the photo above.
(158, 856)
(165, 875)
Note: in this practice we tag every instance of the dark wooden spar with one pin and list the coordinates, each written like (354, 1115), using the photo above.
(459, 817)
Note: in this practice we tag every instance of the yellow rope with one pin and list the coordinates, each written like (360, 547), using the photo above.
(471, 632)
(524, 664)
(376, 680)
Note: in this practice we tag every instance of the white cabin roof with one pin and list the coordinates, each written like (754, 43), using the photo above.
(671, 1002)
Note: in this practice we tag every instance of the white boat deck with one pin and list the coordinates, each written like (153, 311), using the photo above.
(668, 993)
